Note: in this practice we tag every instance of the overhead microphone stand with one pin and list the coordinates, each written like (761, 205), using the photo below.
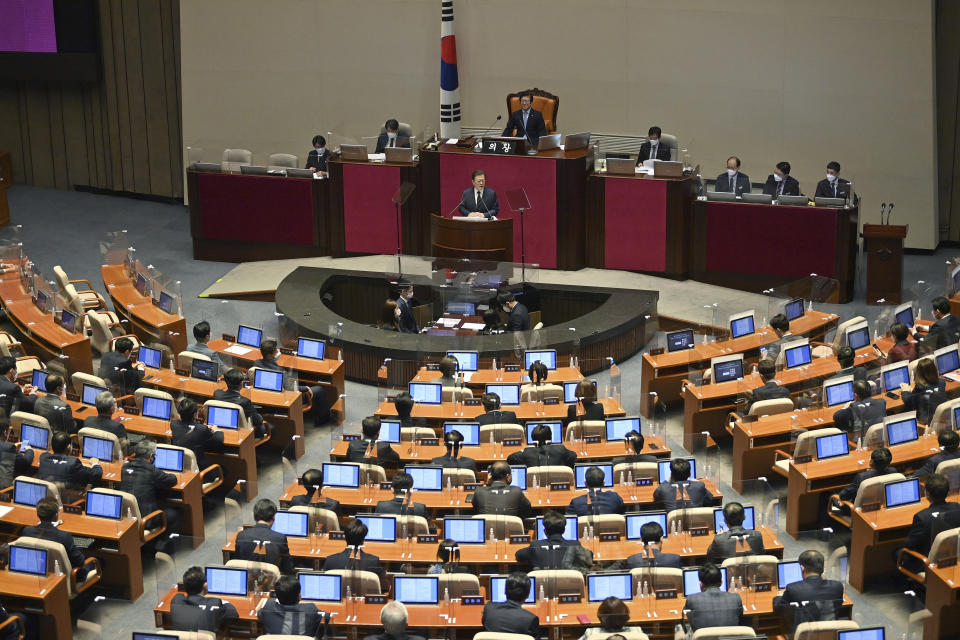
(400, 197)
(518, 202)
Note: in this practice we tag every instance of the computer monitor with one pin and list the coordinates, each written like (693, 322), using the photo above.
(389, 431)
(518, 477)
(467, 360)
(900, 428)
(322, 587)
(28, 560)
(140, 284)
(28, 493)
(793, 309)
(426, 393)
(169, 459)
(267, 380)
(904, 314)
(832, 446)
(165, 302)
(498, 590)
(68, 320)
(797, 353)
(858, 336)
(99, 448)
(222, 581)
(727, 368)
(873, 633)
(469, 430)
(680, 340)
(556, 431)
(292, 523)
(546, 356)
(158, 408)
(893, 375)
(416, 589)
(150, 357)
(205, 370)
(36, 437)
(691, 581)
(89, 393)
(902, 492)
(720, 521)
(617, 428)
(581, 473)
(39, 379)
(947, 359)
(104, 505)
(509, 393)
(379, 528)
(635, 522)
(569, 532)
(464, 530)
(41, 301)
(663, 467)
(788, 572)
(604, 585)
(145, 635)
(426, 478)
(570, 391)
(742, 324)
(838, 391)
(956, 418)
(224, 417)
(249, 336)
(338, 474)
(462, 308)
(308, 348)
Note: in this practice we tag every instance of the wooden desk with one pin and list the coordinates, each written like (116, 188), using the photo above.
(46, 594)
(448, 411)
(147, 321)
(663, 373)
(943, 600)
(482, 377)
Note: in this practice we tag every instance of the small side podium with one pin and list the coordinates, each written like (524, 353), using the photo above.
(883, 244)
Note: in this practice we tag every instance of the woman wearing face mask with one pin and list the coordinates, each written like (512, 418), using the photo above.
(389, 317)
(733, 181)
(781, 183)
(833, 185)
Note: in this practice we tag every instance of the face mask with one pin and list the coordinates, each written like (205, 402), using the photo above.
(731, 172)
(654, 141)
(506, 309)
(831, 177)
(391, 136)
(778, 178)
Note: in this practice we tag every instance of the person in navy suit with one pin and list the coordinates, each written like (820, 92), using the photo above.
(949, 442)
(862, 412)
(317, 158)
(549, 552)
(635, 439)
(355, 532)
(260, 542)
(391, 137)
(479, 201)
(736, 540)
(781, 183)
(880, 459)
(527, 122)
(493, 415)
(681, 492)
(920, 536)
(812, 599)
(943, 332)
(652, 147)
(453, 441)
(651, 535)
(733, 181)
(510, 616)
(544, 453)
(47, 511)
(401, 505)
(519, 319)
(404, 296)
(596, 502)
(770, 390)
(713, 607)
(833, 186)
(312, 481)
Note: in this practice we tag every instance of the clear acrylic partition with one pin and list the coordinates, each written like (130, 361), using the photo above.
(706, 452)
(744, 399)
(49, 290)
(165, 286)
(181, 553)
(115, 248)
(816, 292)
(767, 506)
(951, 276)
(194, 154)
(922, 293)
(11, 247)
(93, 621)
(225, 317)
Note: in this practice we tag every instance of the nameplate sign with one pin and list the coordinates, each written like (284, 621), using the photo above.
(429, 442)
(133, 411)
(471, 402)
(551, 401)
(337, 535)
(511, 442)
(569, 598)
(867, 507)
(666, 594)
(609, 537)
(502, 147)
(471, 600)
(592, 439)
(228, 338)
(471, 486)
(761, 586)
(386, 485)
(348, 437)
(645, 482)
(699, 531)
(559, 486)
(427, 539)
(375, 599)
(524, 539)
(511, 368)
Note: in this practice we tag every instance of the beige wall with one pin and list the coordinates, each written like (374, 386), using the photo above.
(768, 80)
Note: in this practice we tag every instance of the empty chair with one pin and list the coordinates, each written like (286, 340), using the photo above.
(503, 526)
(543, 476)
(536, 393)
(834, 564)
(579, 429)
(771, 407)
(283, 161)
(841, 332)
(499, 432)
(409, 434)
(457, 477)
(950, 469)
(459, 584)
(874, 436)
(455, 394)
(57, 552)
(265, 574)
(416, 525)
(721, 633)
(88, 297)
(26, 365)
(101, 335)
(752, 570)
(361, 583)
(603, 523)
(143, 392)
(190, 464)
(657, 578)
(559, 581)
(941, 416)
(823, 630)
(636, 471)
(324, 519)
(691, 518)
(806, 445)
(233, 159)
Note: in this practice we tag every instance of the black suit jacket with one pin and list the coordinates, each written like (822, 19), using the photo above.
(408, 324)
(768, 391)
(395, 507)
(714, 608)
(535, 128)
(57, 412)
(510, 617)
(519, 318)
(46, 531)
(460, 462)
(59, 467)
(143, 480)
(199, 613)
(931, 464)
(317, 159)
(12, 396)
(723, 183)
(303, 500)
(849, 492)
(368, 562)
(636, 457)
(199, 438)
(234, 396)
(546, 554)
(382, 139)
(603, 502)
(498, 417)
(272, 547)
(384, 454)
(861, 413)
(943, 332)
(790, 188)
(919, 537)
(668, 560)
(295, 619)
(813, 599)
(489, 206)
(118, 369)
(549, 455)
(13, 463)
(735, 542)
(663, 152)
(499, 498)
(106, 424)
(825, 188)
(695, 494)
(591, 411)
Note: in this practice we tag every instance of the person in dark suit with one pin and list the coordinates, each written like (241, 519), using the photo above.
(902, 348)
(54, 408)
(453, 441)
(862, 412)
(928, 391)
(312, 481)
(363, 450)
(833, 186)
(107, 406)
(47, 511)
(770, 390)
(781, 328)
(260, 542)
(408, 323)
(920, 535)
(519, 319)
(391, 137)
(949, 442)
(846, 358)
(651, 535)
(12, 396)
(12, 632)
(60, 467)
(681, 492)
(13, 462)
(478, 201)
(713, 607)
(190, 433)
(491, 323)
(355, 532)
(652, 147)
(493, 414)
(317, 158)
(319, 412)
(499, 496)
(880, 459)
(139, 477)
(120, 368)
(597, 501)
(201, 333)
(735, 541)
(943, 332)
(549, 552)
(234, 378)
(635, 439)
(543, 453)
(195, 612)
(285, 614)
(509, 616)
(527, 122)
(813, 599)
(781, 183)
(586, 407)
(401, 504)
(394, 618)
(732, 181)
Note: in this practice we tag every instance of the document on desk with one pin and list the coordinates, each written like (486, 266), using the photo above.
(238, 350)
(473, 326)
(4, 511)
(448, 322)
(377, 157)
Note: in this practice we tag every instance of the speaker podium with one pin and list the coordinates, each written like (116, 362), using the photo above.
(474, 238)
(883, 244)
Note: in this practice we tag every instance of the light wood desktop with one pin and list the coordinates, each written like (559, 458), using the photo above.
(147, 321)
(943, 600)
(48, 594)
(449, 411)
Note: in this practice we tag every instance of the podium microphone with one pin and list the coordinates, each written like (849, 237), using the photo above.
(883, 209)
(889, 212)
(490, 128)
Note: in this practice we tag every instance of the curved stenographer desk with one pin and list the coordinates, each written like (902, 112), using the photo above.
(594, 323)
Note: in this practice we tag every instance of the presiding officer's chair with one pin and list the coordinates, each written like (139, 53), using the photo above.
(543, 101)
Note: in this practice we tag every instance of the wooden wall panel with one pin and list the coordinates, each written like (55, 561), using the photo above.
(122, 133)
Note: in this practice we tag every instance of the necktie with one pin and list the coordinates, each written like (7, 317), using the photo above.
(834, 188)
(653, 151)
(391, 142)
(780, 190)
(478, 200)
(733, 183)
(526, 114)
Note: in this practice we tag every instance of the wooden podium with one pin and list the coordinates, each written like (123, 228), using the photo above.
(883, 244)
(474, 239)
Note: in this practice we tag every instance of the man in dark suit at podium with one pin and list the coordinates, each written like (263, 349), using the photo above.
(527, 122)
(781, 183)
(652, 148)
(733, 181)
(391, 137)
(478, 201)
(833, 185)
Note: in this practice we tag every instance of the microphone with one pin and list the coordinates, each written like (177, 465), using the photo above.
(883, 209)
(490, 128)
(526, 136)
(889, 212)
(450, 214)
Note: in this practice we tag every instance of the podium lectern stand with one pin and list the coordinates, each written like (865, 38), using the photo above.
(473, 239)
(883, 244)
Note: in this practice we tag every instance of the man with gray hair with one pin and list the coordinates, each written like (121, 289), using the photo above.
(143, 480)
(393, 617)
(106, 407)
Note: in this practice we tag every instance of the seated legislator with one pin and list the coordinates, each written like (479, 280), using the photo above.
(519, 319)
(864, 411)
(847, 358)
(499, 497)
(943, 332)
(880, 459)
(902, 348)
(355, 532)
(635, 439)
(928, 392)
(363, 450)
(681, 492)
(651, 535)
(319, 405)
(317, 158)
(201, 333)
(781, 327)
(448, 371)
(597, 501)
(543, 453)
(312, 481)
(586, 406)
(54, 408)
(781, 183)
(234, 379)
(389, 316)
(444, 565)
(400, 504)
(47, 511)
(453, 441)
(140, 477)
(106, 406)
(509, 616)
(285, 614)
(527, 122)
(404, 404)
(712, 607)
(479, 201)
(832, 185)
(732, 181)
(493, 414)
(260, 542)
(190, 433)
(652, 149)
(394, 617)
(920, 536)
(491, 323)
(13, 462)
(949, 442)
(770, 390)
(614, 614)
(549, 552)
(121, 368)
(391, 137)
(812, 599)
(12, 396)
(735, 541)
(62, 468)
(196, 612)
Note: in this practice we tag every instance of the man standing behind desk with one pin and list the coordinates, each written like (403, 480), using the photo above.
(527, 122)
(781, 183)
(478, 201)
(391, 137)
(733, 181)
(652, 149)
(519, 319)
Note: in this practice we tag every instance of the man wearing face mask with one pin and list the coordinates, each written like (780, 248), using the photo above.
(781, 183)
(652, 148)
(408, 324)
(519, 316)
(527, 122)
(833, 185)
(317, 159)
(733, 181)
(391, 137)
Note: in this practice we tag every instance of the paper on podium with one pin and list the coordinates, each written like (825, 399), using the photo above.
(648, 164)
(238, 350)
(473, 326)
(5, 510)
(448, 322)
(469, 219)
(452, 140)
(377, 157)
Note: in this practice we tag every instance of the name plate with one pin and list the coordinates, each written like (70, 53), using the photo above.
(228, 338)
(133, 411)
(433, 366)
(349, 437)
(375, 599)
(559, 486)
(71, 508)
(656, 352)
(511, 442)
(699, 531)
(337, 535)
(947, 562)
(645, 482)
(870, 506)
(666, 594)
(592, 439)
(288, 351)
(386, 485)
(429, 442)
(471, 486)
(550, 401)
(609, 537)
(427, 538)
(802, 459)
(524, 539)
(569, 598)
(761, 586)
(502, 147)
(6, 497)
(511, 368)
(182, 372)
(75, 397)
(471, 402)
(471, 600)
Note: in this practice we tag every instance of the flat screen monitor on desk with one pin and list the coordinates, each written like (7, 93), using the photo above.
(832, 446)
(266, 380)
(680, 340)
(581, 473)
(618, 428)
(68, 320)
(793, 309)
(518, 477)
(249, 336)
(158, 408)
(150, 357)
(337, 474)
(28, 560)
(313, 349)
(873, 633)
(426, 393)
(205, 370)
(691, 581)
(464, 530)
(416, 589)
(788, 573)
(380, 528)
(292, 523)
(893, 375)
(556, 431)
(322, 587)
(546, 356)
(36, 437)
(602, 586)
(720, 521)
(498, 592)
(797, 353)
(165, 302)
(858, 336)
(663, 467)
(757, 198)
(169, 459)
(509, 394)
(727, 368)
(742, 324)
(224, 417)
(390, 431)
(99, 448)
(635, 522)
(28, 493)
(41, 301)
(469, 430)
(902, 492)
(721, 196)
(222, 581)
(904, 314)
(947, 359)
(104, 505)
(900, 428)
(462, 308)
(569, 532)
(140, 284)
(39, 379)
(89, 393)
(426, 478)
(837, 391)
(467, 360)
